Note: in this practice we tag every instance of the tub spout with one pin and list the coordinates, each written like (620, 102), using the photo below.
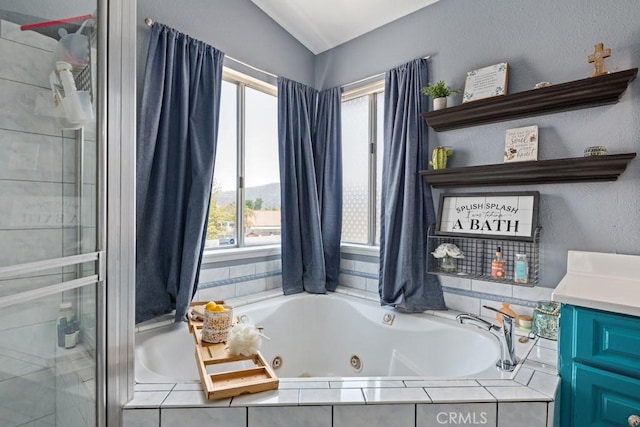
(504, 334)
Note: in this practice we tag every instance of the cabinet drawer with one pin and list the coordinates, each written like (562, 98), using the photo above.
(603, 398)
(607, 340)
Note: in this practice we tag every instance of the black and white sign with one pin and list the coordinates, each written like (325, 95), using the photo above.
(512, 216)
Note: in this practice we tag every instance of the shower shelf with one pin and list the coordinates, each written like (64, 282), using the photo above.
(232, 382)
(478, 254)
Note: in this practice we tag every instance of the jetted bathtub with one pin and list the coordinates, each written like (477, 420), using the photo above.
(334, 335)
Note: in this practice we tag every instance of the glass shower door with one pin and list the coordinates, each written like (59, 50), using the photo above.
(50, 250)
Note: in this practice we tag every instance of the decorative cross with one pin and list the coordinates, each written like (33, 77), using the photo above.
(597, 58)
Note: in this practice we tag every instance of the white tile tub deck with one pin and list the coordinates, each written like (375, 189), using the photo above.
(364, 401)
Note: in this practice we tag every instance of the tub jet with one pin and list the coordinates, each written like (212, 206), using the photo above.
(356, 363)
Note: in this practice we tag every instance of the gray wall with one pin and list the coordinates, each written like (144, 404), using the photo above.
(542, 41)
(238, 28)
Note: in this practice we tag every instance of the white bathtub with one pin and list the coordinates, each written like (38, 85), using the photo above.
(318, 335)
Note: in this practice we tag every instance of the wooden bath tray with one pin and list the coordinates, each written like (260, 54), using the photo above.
(233, 382)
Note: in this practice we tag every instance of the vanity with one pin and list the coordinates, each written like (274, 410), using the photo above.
(599, 340)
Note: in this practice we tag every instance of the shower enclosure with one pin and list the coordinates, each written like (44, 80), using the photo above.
(52, 217)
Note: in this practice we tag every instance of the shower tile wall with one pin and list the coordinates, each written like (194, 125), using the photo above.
(38, 218)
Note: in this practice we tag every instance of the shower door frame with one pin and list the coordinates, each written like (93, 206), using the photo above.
(117, 125)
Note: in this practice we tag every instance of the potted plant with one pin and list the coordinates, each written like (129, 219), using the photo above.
(439, 92)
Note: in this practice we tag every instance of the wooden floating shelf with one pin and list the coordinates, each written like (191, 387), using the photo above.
(578, 169)
(585, 93)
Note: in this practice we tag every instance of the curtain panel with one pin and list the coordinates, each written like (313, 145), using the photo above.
(310, 154)
(176, 150)
(407, 203)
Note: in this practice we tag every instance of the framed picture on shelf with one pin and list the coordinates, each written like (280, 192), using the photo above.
(508, 216)
(486, 82)
(521, 144)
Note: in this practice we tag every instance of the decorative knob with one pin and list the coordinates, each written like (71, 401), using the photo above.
(634, 421)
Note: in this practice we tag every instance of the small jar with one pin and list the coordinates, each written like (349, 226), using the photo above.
(545, 320)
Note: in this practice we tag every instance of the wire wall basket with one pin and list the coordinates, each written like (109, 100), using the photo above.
(478, 254)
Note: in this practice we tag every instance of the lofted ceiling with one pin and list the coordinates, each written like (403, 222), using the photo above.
(323, 24)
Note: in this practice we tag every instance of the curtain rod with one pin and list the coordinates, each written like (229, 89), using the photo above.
(374, 76)
(149, 23)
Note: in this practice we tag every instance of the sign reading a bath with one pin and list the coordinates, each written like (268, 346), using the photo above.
(511, 216)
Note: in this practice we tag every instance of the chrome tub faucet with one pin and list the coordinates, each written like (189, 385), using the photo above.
(504, 334)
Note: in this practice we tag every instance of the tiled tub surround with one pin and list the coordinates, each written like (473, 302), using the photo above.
(246, 278)
(526, 399)
(359, 276)
(241, 279)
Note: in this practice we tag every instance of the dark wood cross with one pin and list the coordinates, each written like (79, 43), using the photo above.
(597, 58)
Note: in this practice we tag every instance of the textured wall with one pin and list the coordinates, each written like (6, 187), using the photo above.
(542, 41)
(238, 28)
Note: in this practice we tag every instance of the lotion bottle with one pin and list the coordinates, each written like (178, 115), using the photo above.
(498, 265)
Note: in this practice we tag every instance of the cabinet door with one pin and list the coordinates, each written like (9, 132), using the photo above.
(603, 398)
(609, 341)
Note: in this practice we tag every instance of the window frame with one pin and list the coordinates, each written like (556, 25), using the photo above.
(371, 90)
(240, 250)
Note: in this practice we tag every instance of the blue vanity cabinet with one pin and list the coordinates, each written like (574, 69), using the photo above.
(599, 362)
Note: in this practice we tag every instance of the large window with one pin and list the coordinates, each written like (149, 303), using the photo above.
(246, 179)
(362, 134)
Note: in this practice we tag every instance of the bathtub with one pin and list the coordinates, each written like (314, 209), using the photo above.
(335, 335)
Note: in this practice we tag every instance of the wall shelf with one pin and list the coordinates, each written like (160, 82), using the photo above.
(478, 253)
(584, 93)
(577, 169)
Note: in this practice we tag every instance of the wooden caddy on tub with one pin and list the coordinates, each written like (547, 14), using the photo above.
(233, 382)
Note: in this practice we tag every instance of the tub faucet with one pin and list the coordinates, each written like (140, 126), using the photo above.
(504, 334)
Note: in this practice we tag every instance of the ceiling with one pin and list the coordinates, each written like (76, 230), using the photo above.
(323, 24)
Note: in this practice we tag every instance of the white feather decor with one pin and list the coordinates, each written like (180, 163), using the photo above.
(244, 339)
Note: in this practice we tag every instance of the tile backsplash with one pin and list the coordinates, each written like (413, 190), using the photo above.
(359, 276)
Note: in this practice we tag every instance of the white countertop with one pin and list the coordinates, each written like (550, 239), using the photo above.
(609, 282)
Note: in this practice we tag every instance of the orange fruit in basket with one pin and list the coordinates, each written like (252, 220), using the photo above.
(213, 306)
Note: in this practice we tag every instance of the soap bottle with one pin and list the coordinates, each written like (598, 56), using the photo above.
(498, 265)
(521, 269)
(65, 315)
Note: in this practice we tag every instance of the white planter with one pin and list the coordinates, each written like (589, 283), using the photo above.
(439, 103)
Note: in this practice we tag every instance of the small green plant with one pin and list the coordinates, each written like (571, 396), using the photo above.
(439, 90)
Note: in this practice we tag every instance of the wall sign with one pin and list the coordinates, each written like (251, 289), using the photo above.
(486, 82)
(521, 144)
(512, 216)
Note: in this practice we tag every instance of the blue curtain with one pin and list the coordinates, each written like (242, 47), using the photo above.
(175, 158)
(407, 203)
(310, 153)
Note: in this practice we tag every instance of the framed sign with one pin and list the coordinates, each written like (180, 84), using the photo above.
(510, 216)
(486, 82)
(521, 144)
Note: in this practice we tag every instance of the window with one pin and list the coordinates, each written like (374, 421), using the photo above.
(362, 135)
(246, 179)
